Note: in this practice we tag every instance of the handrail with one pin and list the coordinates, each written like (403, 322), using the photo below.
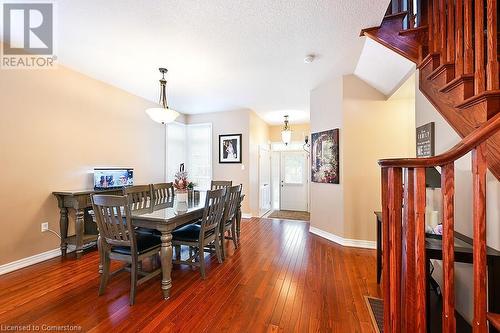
(474, 139)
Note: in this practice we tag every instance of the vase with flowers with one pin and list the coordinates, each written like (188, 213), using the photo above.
(181, 184)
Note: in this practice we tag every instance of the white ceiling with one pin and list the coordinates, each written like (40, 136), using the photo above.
(382, 68)
(221, 54)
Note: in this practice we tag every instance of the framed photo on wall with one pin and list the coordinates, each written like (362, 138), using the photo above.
(230, 148)
(325, 163)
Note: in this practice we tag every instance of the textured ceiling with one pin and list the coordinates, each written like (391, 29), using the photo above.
(382, 68)
(221, 54)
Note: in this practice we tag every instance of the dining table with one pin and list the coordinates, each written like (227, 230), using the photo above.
(165, 215)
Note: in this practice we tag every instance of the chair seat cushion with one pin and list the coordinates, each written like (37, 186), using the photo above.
(189, 233)
(148, 231)
(145, 243)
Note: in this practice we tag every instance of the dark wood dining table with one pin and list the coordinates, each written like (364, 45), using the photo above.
(165, 215)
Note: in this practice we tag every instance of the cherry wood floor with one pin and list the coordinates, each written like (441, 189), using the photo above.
(281, 279)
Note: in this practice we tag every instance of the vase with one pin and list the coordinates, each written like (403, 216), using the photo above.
(182, 195)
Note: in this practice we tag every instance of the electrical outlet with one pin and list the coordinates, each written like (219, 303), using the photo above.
(45, 226)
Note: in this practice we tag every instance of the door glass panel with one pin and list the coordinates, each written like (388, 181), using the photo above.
(293, 168)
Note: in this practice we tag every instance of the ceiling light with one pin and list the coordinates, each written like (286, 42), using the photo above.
(309, 58)
(163, 114)
(286, 133)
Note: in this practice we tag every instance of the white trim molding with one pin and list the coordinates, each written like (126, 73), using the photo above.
(35, 259)
(246, 215)
(344, 241)
(21, 263)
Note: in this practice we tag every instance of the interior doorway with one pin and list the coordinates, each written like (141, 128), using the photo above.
(264, 180)
(289, 180)
(294, 181)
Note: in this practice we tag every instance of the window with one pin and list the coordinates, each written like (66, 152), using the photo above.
(176, 148)
(199, 154)
(192, 145)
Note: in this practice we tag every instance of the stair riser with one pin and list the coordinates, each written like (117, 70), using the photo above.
(442, 75)
(460, 90)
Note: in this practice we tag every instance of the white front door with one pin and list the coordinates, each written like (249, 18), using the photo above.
(294, 181)
(264, 180)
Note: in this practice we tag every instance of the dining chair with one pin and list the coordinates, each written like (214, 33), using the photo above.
(218, 184)
(200, 237)
(163, 190)
(119, 241)
(229, 218)
(140, 196)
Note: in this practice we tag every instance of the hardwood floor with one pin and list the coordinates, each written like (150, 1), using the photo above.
(281, 279)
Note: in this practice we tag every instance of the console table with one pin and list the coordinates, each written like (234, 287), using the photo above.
(85, 228)
(463, 253)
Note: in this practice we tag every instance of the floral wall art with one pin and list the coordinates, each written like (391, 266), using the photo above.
(325, 163)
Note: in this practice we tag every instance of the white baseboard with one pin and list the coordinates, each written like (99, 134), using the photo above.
(35, 259)
(344, 241)
(246, 215)
(21, 263)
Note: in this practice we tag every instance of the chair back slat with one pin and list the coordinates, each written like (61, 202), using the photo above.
(218, 184)
(232, 201)
(112, 215)
(163, 190)
(214, 209)
(139, 196)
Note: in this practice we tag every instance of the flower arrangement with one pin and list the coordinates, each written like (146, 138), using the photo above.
(181, 182)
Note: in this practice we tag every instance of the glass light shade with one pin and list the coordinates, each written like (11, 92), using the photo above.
(162, 115)
(286, 136)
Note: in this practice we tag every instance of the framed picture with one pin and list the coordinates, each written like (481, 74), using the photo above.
(230, 148)
(425, 140)
(325, 163)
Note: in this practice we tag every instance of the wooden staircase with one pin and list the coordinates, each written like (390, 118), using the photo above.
(454, 43)
(442, 37)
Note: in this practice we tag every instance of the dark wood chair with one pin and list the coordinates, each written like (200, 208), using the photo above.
(119, 241)
(140, 196)
(218, 184)
(233, 197)
(202, 237)
(163, 190)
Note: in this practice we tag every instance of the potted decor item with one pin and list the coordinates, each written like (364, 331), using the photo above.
(181, 184)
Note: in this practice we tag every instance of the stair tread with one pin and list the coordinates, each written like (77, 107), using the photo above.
(494, 319)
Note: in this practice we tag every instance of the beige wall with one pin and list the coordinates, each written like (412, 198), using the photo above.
(254, 131)
(298, 132)
(327, 202)
(371, 128)
(259, 136)
(374, 128)
(56, 126)
(446, 138)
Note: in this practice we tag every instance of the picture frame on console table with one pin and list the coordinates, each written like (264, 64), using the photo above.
(230, 148)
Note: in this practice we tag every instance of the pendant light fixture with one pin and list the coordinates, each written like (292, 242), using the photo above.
(162, 114)
(286, 133)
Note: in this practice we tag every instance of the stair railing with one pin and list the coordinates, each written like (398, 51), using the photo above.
(404, 256)
(463, 33)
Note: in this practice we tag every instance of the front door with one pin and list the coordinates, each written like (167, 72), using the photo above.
(294, 181)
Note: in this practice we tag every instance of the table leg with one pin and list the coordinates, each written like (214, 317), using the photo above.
(166, 263)
(79, 230)
(494, 288)
(379, 250)
(63, 226)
